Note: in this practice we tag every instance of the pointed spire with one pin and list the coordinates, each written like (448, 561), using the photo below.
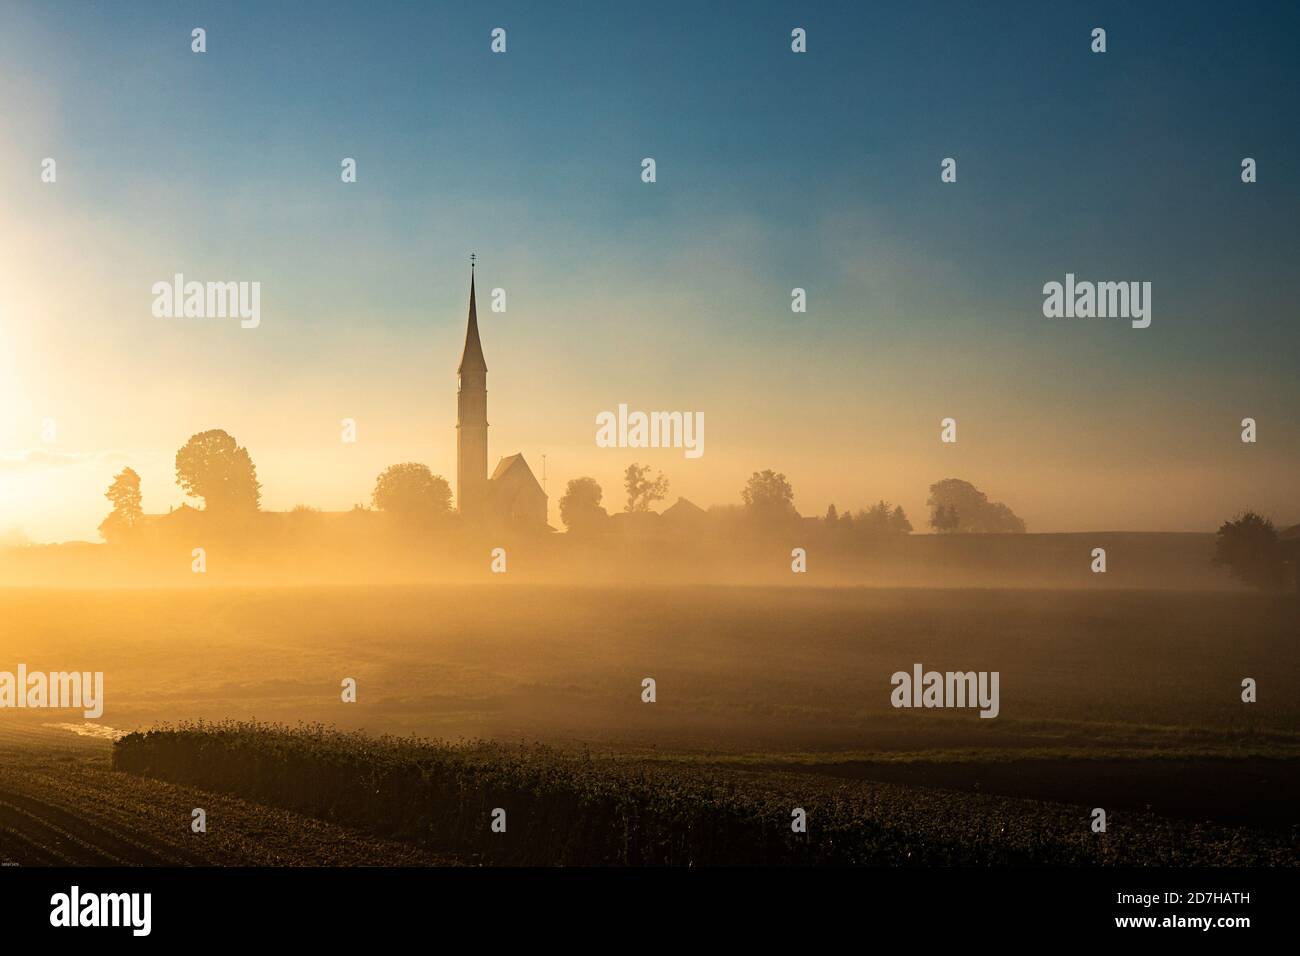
(472, 357)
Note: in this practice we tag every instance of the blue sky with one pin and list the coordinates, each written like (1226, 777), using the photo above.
(775, 170)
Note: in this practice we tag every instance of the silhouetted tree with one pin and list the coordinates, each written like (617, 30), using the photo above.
(944, 519)
(213, 467)
(768, 498)
(898, 522)
(832, 516)
(580, 507)
(1248, 547)
(875, 520)
(411, 490)
(972, 508)
(642, 491)
(127, 512)
(997, 518)
(959, 501)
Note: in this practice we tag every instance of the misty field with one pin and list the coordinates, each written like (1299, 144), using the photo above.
(736, 669)
(1124, 699)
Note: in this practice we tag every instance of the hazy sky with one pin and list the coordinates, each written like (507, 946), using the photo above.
(775, 170)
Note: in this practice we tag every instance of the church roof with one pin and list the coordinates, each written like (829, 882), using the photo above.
(514, 468)
(684, 510)
(507, 463)
(472, 357)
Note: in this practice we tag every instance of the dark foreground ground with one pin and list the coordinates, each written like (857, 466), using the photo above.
(62, 805)
(1253, 792)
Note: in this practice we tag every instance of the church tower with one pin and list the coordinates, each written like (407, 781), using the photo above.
(471, 421)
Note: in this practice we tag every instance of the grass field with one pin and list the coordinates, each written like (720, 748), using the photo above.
(1122, 699)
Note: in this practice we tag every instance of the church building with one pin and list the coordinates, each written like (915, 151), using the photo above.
(511, 497)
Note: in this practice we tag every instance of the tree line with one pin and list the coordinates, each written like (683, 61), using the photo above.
(215, 468)
(220, 472)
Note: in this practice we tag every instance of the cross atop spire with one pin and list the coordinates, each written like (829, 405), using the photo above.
(471, 358)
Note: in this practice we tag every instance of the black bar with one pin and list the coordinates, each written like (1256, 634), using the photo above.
(297, 906)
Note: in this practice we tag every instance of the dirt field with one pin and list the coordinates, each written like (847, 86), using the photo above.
(61, 805)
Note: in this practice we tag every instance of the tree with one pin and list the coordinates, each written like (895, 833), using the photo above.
(213, 467)
(944, 519)
(882, 520)
(1248, 547)
(832, 516)
(642, 491)
(898, 523)
(967, 509)
(997, 518)
(411, 490)
(127, 512)
(580, 505)
(954, 504)
(768, 497)
(875, 520)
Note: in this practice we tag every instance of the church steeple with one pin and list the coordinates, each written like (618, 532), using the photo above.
(472, 357)
(471, 420)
